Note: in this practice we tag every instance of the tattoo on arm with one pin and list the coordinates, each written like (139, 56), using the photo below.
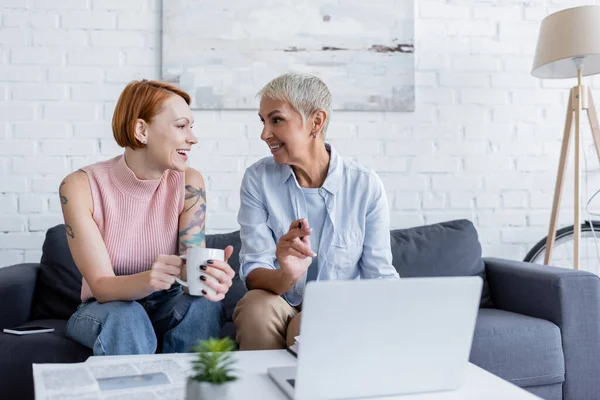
(70, 231)
(63, 198)
(194, 234)
(64, 201)
(193, 193)
(195, 241)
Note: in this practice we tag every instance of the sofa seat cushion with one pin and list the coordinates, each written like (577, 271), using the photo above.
(45, 347)
(523, 350)
(18, 353)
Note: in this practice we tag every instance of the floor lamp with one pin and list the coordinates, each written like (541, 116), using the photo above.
(569, 47)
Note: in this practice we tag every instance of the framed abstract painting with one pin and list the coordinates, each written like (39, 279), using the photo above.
(223, 52)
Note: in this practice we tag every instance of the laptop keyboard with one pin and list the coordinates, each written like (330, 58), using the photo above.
(292, 382)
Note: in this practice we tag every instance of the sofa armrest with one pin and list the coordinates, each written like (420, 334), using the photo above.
(570, 299)
(17, 288)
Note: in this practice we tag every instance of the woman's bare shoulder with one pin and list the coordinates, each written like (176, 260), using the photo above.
(193, 176)
(75, 186)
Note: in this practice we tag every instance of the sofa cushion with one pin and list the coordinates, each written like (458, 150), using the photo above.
(17, 292)
(445, 249)
(58, 291)
(17, 353)
(523, 350)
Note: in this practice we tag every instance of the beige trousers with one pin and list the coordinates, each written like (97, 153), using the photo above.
(265, 321)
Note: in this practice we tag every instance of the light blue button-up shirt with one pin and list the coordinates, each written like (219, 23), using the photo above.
(355, 241)
(316, 212)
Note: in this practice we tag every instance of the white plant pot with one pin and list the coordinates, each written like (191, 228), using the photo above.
(206, 391)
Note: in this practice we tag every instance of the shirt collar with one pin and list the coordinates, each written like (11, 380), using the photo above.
(334, 174)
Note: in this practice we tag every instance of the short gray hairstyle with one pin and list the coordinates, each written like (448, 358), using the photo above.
(305, 93)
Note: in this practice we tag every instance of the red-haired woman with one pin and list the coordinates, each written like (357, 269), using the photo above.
(127, 218)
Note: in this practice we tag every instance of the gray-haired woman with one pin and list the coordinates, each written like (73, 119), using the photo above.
(306, 214)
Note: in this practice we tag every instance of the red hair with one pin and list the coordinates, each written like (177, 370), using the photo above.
(140, 100)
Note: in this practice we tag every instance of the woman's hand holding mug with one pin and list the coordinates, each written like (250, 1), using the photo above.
(163, 273)
(207, 272)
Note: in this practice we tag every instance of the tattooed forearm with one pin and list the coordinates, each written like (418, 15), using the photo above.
(193, 193)
(70, 231)
(193, 234)
(63, 198)
(188, 241)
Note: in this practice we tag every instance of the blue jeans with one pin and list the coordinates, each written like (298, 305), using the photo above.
(169, 321)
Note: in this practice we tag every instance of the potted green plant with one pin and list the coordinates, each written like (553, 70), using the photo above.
(213, 370)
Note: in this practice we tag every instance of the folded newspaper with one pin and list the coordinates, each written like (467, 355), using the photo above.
(114, 378)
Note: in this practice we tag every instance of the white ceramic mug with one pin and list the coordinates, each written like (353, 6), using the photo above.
(195, 257)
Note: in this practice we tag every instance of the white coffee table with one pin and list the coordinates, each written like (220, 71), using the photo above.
(254, 383)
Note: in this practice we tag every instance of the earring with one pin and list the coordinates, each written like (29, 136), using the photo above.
(314, 135)
(144, 141)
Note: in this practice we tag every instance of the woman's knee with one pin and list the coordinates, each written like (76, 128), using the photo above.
(257, 301)
(261, 320)
(131, 313)
(258, 307)
(103, 327)
(104, 313)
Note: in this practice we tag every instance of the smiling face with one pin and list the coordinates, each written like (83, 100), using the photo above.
(284, 131)
(169, 135)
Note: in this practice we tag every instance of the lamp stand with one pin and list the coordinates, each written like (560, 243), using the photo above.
(580, 99)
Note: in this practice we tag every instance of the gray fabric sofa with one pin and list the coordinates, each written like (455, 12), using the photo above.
(538, 327)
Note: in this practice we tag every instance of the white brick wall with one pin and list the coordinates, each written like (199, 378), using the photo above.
(482, 144)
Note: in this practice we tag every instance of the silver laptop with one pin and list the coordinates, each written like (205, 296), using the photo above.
(382, 337)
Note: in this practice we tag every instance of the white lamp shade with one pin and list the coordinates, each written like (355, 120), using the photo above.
(574, 32)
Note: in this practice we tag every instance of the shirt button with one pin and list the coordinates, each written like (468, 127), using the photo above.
(322, 192)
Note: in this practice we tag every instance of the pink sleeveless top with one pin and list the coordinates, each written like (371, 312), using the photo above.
(138, 219)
